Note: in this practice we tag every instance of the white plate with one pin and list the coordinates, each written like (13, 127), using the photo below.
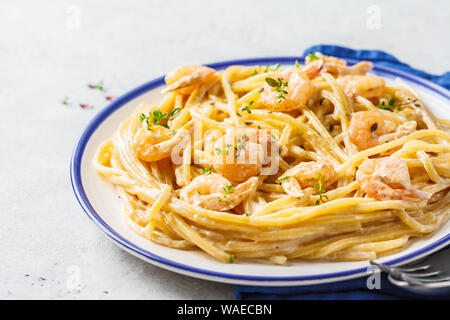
(99, 200)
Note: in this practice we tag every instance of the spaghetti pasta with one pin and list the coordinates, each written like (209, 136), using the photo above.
(315, 161)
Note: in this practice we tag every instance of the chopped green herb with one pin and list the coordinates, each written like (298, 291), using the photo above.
(272, 82)
(247, 108)
(174, 112)
(320, 190)
(270, 68)
(228, 190)
(297, 65)
(65, 100)
(391, 102)
(383, 106)
(98, 86)
(237, 148)
(279, 87)
(206, 170)
(156, 117)
(145, 118)
(232, 259)
(282, 179)
(313, 56)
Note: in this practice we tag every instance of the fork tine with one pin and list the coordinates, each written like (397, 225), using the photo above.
(413, 269)
(433, 280)
(423, 275)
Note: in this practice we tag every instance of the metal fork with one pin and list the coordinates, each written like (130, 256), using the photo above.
(430, 275)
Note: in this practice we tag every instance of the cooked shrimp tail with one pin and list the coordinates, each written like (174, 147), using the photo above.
(215, 192)
(370, 128)
(185, 79)
(158, 142)
(388, 179)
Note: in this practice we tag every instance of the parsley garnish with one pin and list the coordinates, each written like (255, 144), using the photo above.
(320, 190)
(227, 190)
(174, 112)
(231, 258)
(279, 87)
(282, 179)
(313, 56)
(65, 101)
(156, 117)
(247, 108)
(383, 106)
(240, 146)
(274, 68)
(297, 65)
(391, 102)
(206, 170)
(145, 118)
(98, 86)
(237, 148)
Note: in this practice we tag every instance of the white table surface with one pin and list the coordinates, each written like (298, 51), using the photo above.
(47, 242)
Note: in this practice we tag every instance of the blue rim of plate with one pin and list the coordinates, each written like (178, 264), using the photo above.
(77, 185)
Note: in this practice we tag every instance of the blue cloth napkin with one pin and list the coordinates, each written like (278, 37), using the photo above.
(355, 289)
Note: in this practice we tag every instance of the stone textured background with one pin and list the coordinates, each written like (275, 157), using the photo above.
(47, 242)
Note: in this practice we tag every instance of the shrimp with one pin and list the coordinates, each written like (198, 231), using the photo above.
(185, 79)
(157, 142)
(388, 179)
(215, 192)
(368, 129)
(242, 152)
(298, 88)
(338, 67)
(306, 174)
(367, 86)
